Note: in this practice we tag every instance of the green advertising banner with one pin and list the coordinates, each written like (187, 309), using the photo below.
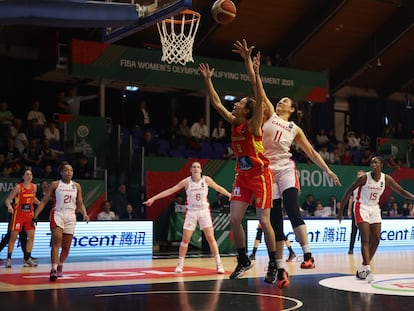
(89, 136)
(93, 193)
(143, 66)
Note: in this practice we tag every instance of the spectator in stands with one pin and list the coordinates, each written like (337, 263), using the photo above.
(15, 127)
(178, 205)
(324, 153)
(353, 141)
(149, 145)
(221, 205)
(49, 172)
(14, 159)
(173, 131)
(62, 107)
(364, 141)
(346, 157)
(309, 205)
(32, 156)
(52, 133)
(335, 156)
(83, 170)
(106, 213)
(4, 166)
(35, 113)
(219, 132)
(333, 141)
(6, 120)
(119, 201)
(410, 209)
(366, 157)
(404, 207)
(50, 155)
(199, 130)
(34, 131)
(321, 138)
(321, 211)
(73, 100)
(129, 213)
(143, 115)
(184, 132)
(395, 210)
(333, 205)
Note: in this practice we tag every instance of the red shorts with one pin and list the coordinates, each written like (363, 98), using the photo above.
(260, 187)
(21, 220)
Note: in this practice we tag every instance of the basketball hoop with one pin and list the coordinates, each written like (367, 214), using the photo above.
(177, 38)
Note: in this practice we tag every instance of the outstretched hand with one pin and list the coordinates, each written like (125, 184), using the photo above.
(335, 179)
(256, 62)
(148, 202)
(205, 71)
(242, 49)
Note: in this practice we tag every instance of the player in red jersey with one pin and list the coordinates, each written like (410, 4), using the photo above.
(253, 178)
(24, 195)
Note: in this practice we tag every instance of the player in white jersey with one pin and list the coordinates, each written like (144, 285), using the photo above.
(367, 212)
(67, 197)
(279, 133)
(197, 211)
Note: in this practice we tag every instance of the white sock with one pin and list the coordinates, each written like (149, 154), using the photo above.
(181, 261)
(280, 263)
(218, 259)
(306, 248)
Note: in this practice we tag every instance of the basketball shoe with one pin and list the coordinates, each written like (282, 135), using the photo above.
(308, 262)
(179, 269)
(60, 271)
(8, 263)
(220, 268)
(364, 275)
(53, 275)
(29, 263)
(291, 257)
(270, 276)
(282, 278)
(241, 268)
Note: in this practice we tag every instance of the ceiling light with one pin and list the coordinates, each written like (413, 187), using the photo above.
(229, 98)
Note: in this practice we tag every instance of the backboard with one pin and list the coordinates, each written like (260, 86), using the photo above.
(149, 12)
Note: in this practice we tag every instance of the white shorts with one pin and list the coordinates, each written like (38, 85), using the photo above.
(284, 179)
(63, 218)
(201, 216)
(366, 213)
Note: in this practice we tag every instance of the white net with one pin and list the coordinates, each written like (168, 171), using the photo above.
(177, 37)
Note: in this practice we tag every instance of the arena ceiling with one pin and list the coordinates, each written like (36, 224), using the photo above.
(366, 46)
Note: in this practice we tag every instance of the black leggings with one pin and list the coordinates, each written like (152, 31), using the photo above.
(291, 204)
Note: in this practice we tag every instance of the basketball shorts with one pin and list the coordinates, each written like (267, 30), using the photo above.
(200, 216)
(366, 213)
(284, 179)
(63, 218)
(245, 188)
(21, 221)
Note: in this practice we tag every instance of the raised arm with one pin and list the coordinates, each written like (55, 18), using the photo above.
(389, 181)
(211, 183)
(182, 184)
(255, 122)
(245, 53)
(207, 74)
(314, 156)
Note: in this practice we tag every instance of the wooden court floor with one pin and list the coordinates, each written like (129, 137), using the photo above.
(137, 283)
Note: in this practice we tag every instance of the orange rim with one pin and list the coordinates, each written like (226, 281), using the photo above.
(196, 17)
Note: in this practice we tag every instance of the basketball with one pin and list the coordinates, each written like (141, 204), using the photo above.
(223, 11)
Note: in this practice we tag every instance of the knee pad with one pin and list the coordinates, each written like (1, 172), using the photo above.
(291, 204)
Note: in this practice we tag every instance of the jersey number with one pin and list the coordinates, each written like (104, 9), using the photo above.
(277, 137)
(373, 196)
(67, 198)
(198, 197)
